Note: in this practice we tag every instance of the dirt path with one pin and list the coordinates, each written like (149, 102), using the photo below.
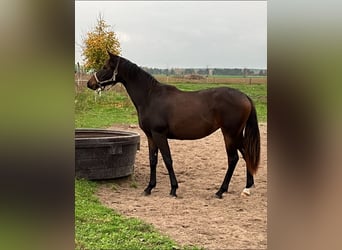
(196, 217)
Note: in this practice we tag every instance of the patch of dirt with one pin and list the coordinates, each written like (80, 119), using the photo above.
(196, 216)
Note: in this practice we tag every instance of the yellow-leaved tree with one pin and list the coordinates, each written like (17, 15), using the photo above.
(97, 42)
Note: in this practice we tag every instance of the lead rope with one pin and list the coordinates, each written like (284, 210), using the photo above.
(97, 92)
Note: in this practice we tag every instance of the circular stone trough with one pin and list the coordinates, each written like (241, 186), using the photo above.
(105, 154)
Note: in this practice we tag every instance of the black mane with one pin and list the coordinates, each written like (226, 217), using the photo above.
(137, 73)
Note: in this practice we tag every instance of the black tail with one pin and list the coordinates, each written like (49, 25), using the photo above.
(252, 141)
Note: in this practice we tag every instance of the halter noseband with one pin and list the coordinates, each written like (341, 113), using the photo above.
(112, 79)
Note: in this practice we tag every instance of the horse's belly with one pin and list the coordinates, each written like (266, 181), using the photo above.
(189, 136)
(191, 130)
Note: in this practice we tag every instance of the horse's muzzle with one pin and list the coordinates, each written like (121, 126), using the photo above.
(92, 84)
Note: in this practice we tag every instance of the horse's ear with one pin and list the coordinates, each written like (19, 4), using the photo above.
(110, 54)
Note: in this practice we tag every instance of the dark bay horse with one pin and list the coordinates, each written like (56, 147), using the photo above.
(167, 112)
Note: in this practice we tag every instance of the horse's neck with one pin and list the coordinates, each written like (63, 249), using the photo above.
(138, 91)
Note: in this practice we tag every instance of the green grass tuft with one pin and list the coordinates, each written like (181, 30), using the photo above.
(94, 111)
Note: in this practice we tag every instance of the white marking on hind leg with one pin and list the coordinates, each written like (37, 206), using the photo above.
(246, 191)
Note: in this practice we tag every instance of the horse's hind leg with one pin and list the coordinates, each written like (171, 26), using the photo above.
(249, 177)
(153, 155)
(233, 158)
(250, 183)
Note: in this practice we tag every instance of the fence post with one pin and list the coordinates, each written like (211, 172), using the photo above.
(78, 74)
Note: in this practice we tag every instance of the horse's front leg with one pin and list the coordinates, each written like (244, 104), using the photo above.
(163, 145)
(153, 156)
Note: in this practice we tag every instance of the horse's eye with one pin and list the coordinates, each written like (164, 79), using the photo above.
(106, 67)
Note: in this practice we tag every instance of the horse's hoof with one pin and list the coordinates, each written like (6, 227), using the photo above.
(218, 195)
(147, 192)
(246, 192)
(173, 194)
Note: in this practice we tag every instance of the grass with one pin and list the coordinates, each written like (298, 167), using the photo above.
(94, 111)
(98, 227)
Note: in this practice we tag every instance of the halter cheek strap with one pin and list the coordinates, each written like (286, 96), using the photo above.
(112, 79)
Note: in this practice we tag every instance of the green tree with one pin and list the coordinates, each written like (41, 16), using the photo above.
(97, 42)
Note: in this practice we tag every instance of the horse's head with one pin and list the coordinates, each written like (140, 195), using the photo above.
(107, 75)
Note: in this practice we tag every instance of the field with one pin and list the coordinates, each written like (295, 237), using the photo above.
(114, 213)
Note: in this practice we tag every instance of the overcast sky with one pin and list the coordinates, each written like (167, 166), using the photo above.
(193, 34)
